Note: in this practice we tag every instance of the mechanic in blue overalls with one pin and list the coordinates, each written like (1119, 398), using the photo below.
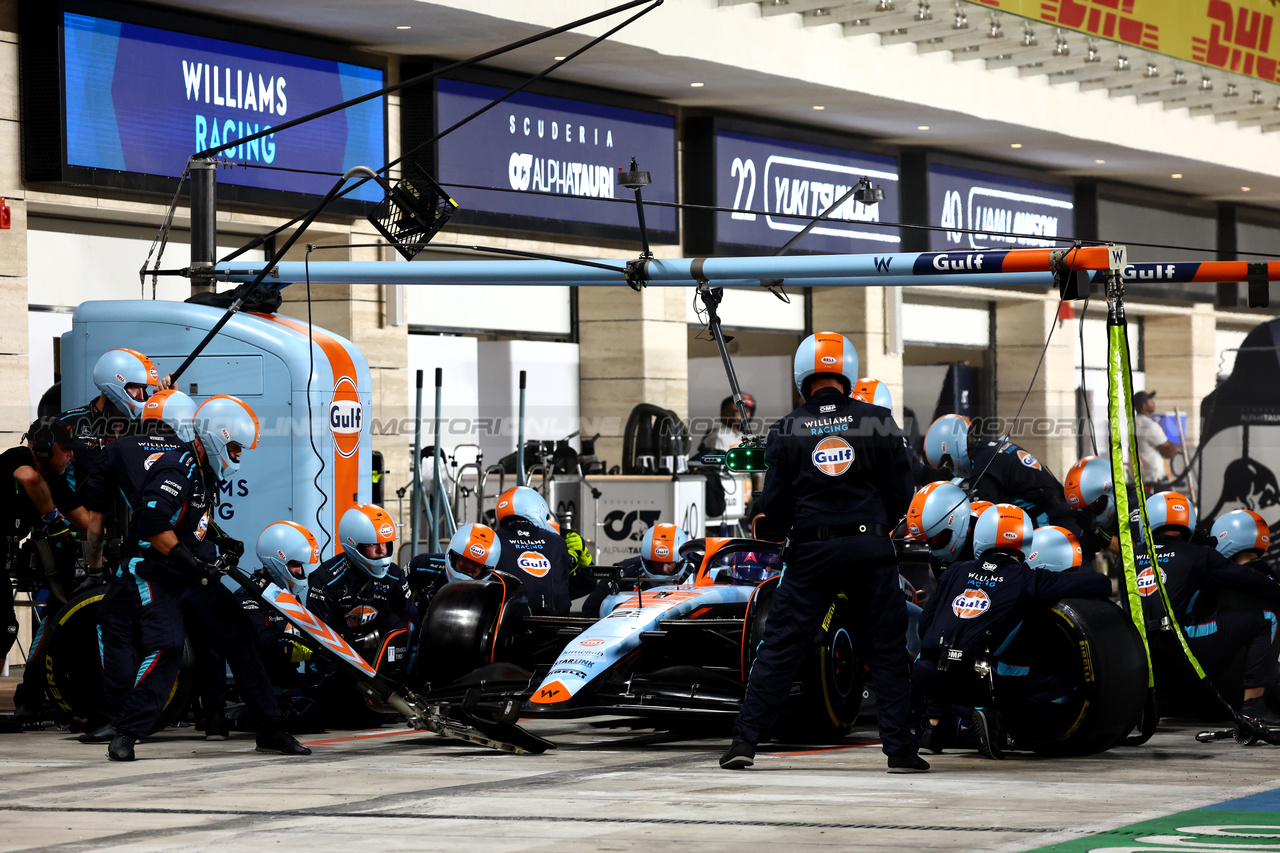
(974, 614)
(1001, 471)
(839, 478)
(534, 551)
(1195, 576)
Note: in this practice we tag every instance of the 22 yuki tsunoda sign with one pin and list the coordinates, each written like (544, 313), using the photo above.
(142, 100)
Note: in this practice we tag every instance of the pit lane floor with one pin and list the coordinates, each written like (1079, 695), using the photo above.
(602, 789)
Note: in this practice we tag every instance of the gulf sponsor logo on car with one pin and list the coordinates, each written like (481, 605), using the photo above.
(1147, 581)
(534, 563)
(594, 641)
(970, 604)
(832, 456)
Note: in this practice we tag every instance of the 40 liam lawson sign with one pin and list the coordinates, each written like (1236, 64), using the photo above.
(1233, 35)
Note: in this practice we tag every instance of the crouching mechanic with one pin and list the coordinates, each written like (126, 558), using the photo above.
(973, 615)
(942, 515)
(1195, 576)
(363, 595)
(659, 563)
(839, 476)
(179, 581)
(533, 550)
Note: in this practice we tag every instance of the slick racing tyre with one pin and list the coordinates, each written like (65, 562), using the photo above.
(1093, 648)
(468, 625)
(827, 694)
(73, 665)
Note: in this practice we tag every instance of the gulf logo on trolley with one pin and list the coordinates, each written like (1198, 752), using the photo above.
(832, 456)
(970, 604)
(534, 563)
(346, 417)
(1147, 581)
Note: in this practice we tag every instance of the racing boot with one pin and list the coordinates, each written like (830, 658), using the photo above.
(990, 732)
(907, 764)
(931, 737)
(215, 726)
(121, 748)
(740, 755)
(281, 742)
(104, 733)
(1257, 711)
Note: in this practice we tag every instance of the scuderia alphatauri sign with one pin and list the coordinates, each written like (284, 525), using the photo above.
(537, 144)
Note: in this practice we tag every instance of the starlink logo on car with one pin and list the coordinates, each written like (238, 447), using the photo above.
(785, 180)
(140, 99)
(537, 144)
(1002, 210)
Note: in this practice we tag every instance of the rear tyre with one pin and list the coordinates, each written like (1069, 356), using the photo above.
(1094, 648)
(72, 666)
(827, 692)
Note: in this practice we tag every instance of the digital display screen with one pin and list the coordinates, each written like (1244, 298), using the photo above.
(995, 206)
(142, 100)
(773, 185)
(533, 144)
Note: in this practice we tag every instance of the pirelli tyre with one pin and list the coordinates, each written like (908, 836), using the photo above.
(827, 693)
(1094, 649)
(72, 665)
(470, 624)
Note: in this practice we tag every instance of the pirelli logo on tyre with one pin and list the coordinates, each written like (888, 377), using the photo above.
(832, 456)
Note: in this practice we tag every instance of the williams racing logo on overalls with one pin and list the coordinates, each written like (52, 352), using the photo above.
(970, 604)
(832, 456)
(1147, 581)
(534, 563)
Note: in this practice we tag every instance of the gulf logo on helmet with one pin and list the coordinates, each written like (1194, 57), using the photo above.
(534, 563)
(387, 530)
(832, 456)
(346, 417)
(1147, 581)
(475, 549)
(1027, 459)
(970, 604)
(661, 551)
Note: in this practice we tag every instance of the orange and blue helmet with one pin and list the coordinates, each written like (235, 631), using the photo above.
(1088, 486)
(873, 391)
(948, 440)
(1004, 527)
(939, 513)
(286, 542)
(1056, 549)
(367, 524)
(477, 543)
(660, 552)
(825, 354)
(116, 370)
(173, 409)
(1241, 530)
(524, 502)
(1171, 509)
(221, 421)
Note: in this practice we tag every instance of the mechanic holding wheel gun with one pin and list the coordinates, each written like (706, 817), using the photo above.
(35, 497)
(971, 617)
(839, 479)
(177, 575)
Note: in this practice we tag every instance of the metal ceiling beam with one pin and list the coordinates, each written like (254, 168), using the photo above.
(976, 35)
(768, 9)
(877, 22)
(940, 26)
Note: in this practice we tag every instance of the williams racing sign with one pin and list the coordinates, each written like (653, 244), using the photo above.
(553, 162)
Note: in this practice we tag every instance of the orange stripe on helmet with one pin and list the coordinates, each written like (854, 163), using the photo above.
(311, 540)
(257, 428)
(383, 524)
(1071, 487)
(977, 508)
(1077, 553)
(915, 512)
(153, 409)
(828, 352)
(1011, 526)
(663, 534)
(153, 373)
(506, 503)
(1177, 509)
(482, 537)
(866, 389)
(1263, 540)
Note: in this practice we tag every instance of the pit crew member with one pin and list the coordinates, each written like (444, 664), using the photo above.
(533, 550)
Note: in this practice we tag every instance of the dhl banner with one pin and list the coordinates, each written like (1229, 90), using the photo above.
(1233, 35)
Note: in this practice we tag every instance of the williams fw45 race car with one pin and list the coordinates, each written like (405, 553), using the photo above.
(677, 654)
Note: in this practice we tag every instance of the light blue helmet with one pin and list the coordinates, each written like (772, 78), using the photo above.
(1003, 527)
(829, 354)
(874, 392)
(1241, 530)
(286, 542)
(939, 513)
(119, 368)
(368, 524)
(524, 502)
(477, 543)
(948, 436)
(660, 553)
(1088, 486)
(218, 422)
(173, 409)
(1171, 509)
(1055, 549)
